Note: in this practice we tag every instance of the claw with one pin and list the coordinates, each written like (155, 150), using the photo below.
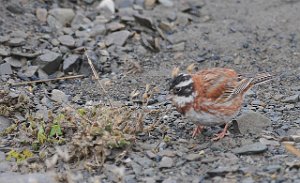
(222, 134)
(197, 130)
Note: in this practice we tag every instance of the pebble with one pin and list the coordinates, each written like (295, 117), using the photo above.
(170, 180)
(149, 4)
(166, 3)
(16, 42)
(193, 157)
(178, 46)
(98, 29)
(4, 39)
(59, 96)
(67, 40)
(5, 69)
(150, 154)
(144, 21)
(49, 61)
(4, 52)
(252, 122)
(4, 123)
(27, 178)
(166, 162)
(254, 148)
(30, 71)
(41, 14)
(71, 62)
(60, 17)
(14, 62)
(80, 21)
(117, 38)
(15, 8)
(269, 142)
(291, 99)
(222, 171)
(107, 5)
(114, 26)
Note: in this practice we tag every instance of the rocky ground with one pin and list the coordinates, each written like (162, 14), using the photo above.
(73, 130)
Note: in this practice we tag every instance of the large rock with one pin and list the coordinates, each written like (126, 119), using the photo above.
(60, 17)
(252, 122)
(117, 38)
(49, 62)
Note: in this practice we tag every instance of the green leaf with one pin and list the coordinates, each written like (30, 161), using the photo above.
(41, 136)
(55, 130)
(81, 112)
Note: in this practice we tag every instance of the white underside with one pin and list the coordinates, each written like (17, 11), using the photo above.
(207, 119)
(182, 100)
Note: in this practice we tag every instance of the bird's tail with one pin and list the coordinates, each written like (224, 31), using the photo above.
(261, 78)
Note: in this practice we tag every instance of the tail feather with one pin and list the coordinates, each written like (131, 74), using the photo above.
(261, 78)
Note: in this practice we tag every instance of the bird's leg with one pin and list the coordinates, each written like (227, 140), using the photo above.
(222, 134)
(197, 130)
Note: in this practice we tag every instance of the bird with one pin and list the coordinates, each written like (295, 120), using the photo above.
(212, 96)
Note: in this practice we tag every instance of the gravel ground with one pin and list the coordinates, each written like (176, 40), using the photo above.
(134, 46)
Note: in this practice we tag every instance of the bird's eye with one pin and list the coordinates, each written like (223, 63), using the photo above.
(177, 90)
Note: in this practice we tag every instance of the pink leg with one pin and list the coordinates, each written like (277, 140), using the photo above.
(222, 134)
(197, 130)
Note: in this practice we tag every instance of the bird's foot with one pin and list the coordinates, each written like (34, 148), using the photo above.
(222, 134)
(197, 130)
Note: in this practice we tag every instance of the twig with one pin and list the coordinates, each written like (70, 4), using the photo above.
(97, 77)
(46, 80)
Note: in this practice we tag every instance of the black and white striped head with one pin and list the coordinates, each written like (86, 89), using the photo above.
(182, 89)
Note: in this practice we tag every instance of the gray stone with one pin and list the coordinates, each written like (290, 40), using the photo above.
(193, 157)
(4, 52)
(107, 6)
(178, 46)
(291, 99)
(60, 17)
(5, 69)
(67, 40)
(71, 62)
(117, 38)
(269, 142)
(222, 171)
(30, 71)
(14, 62)
(114, 26)
(166, 162)
(169, 180)
(4, 123)
(98, 29)
(49, 61)
(80, 21)
(16, 42)
(59, 96)
(144, 21)
(252, 122)
(4, 39)
(167, 3)
(15, 8)
(28, 178)
(41, 14)
(254, 148)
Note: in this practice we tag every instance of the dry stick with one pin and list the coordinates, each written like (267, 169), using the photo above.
(97, 77)
(46, 80)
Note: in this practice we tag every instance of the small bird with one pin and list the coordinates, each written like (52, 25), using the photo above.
(212, 96)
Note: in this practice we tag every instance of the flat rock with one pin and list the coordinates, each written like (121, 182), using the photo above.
(71, 62)
(117, 38)
(5, 69)
(14, 62)
(4, 52)
(16, 42)
(291, 99)
(98, 29)
(254, 148)
(222, 171)
(144, 21)
(107, 5)
(49, 61)
(193, 157)
(59, 96)
(80, 21)
(4, 123)
(67, 40)
(15, 8)
(166, 162)
(166, 3)
(252, 122)
(4, 39)
(114, 26)
(30, 71)
(28, 178)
